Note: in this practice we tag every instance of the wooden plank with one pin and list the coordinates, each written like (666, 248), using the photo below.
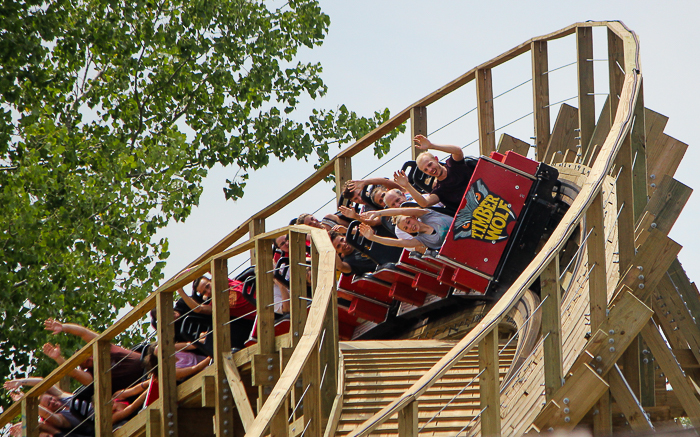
(571, 403)
(654, 125)
(103, 388)
(586, 99)
(240, 396)
(484, 104)
(312, 401)
(595, 248)
(408, 420)
(665, 206)
(627, 401)
(256, 227)
(329, 359)
(602, 128)
(651, 263)
(687, 290)
(343, 174)
(337, 402)
(675, 309)
(664, 158)
(540, 97)
(265, 296)
(167, 381)
(153, 423)
(639, 160)
(647, 372)
(616, 61)
(223, 406)
(208, 391)
(672, 370)
(551, 328)
(297, 285)
(419, 126)
(30, 416)
(506, 143)
(563, 136)
(490, 399)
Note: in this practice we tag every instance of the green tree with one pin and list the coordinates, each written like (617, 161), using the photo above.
(112, 113)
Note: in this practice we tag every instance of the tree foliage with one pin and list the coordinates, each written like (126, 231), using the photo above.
(112, 113)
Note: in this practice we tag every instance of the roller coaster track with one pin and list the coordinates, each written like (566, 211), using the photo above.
(603, 312)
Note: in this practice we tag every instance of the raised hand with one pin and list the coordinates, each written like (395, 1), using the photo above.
(366, 231)
(401, 178)
(51, 351)
(370, 215)
(356, 185)
(53, 325)
(422, 142)
(12, 385)
(348, 212)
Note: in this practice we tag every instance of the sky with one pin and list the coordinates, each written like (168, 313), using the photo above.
(389, 54)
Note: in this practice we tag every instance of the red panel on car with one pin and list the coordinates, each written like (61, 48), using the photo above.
(486, 217)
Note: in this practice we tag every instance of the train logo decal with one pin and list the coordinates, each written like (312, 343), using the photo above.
(484, 217)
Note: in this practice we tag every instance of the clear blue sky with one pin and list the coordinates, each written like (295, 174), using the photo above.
(391, 53)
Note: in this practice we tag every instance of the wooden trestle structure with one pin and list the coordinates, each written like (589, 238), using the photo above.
(618, 320)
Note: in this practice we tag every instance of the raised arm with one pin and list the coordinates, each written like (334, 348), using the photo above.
(360, 184)
(350, 213)
(57, 327)
(401, 178)
(54, 352)
(193, 305)
(369, 234)
(132, 408)
(186, 372)
(424, 143)
(413, 212)
(32, 381)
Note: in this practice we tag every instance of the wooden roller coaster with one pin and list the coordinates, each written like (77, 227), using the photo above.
(600, 330)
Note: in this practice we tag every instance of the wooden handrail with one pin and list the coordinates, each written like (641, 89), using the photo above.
(592, 186)
(323, 296)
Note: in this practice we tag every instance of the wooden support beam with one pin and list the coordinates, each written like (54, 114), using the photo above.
(551, 328)
(408, 420)
(297, 285)
(312, 401)
(343, 174)
(153, 423)
(651, 263)
(665, 206)
(627, 401)
(223, 404)
(647, 372)
(328, 354)
(484, 104)
(664, 158)
(602, 128)
(490, 399)
(673, 309)
(639, 159)
(240, 396)
(419, 126)
(30, 416)
(265, 296)
(167, 381)
(103, 387)
(625, 236)
(672, 370)
(506, 143)
(540, 92)
(598, 296)
(255, 227)
(616, 62)
(586, 99)
(597, 280)
(563, 136)
(571, 403)
(687, 290)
